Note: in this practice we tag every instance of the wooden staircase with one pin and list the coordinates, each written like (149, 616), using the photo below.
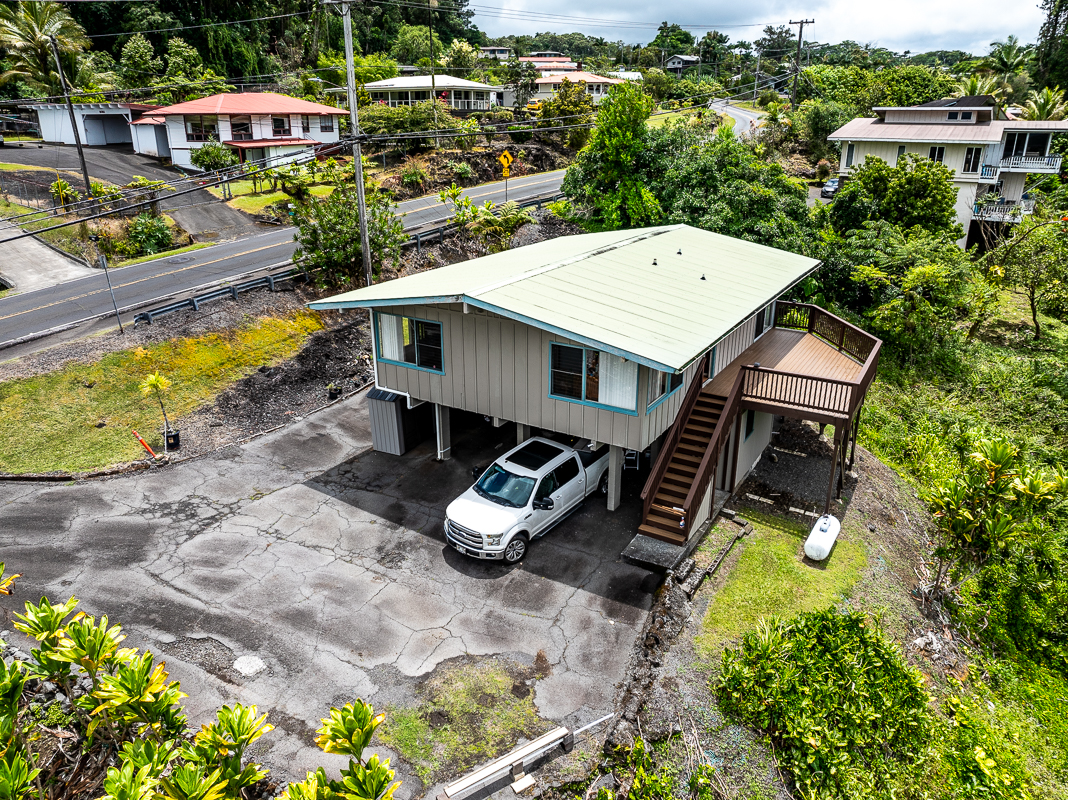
(663, 517)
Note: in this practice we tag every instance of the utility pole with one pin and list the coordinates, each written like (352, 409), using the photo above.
(433, 60)
(797, 61)
(73, 121)
(115, 305)
(357, 153)
(756, 78)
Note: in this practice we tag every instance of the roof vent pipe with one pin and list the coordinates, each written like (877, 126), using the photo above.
(702, 276)
(654, 262)
(680, 251)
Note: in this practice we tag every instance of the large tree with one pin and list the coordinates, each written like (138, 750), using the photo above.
(1051, 54)
(776, 42)
(915, 191)
(672, 39)
(26, 33)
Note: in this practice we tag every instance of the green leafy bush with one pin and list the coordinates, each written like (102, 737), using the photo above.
(462, 170)
(149, 234)
(413, 174)
(848, 714)
(980, 762)
(63, 193)
(213, 156)
(520, 134)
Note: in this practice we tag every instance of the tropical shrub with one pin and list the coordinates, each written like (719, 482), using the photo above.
(495, 226)
(520, 134)
(149, 234)
(63, 193)
(213, 156)
(847, 714)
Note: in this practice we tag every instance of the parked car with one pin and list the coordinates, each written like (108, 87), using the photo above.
(534, 106)
(522, 495)
(829, 188)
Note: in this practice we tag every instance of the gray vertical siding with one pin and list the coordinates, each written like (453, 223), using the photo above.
(500, 368)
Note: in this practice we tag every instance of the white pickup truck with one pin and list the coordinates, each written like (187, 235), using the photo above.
(522, 495)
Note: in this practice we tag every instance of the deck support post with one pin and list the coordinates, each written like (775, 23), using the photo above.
(734, 451)
(853, 446)
(615, 476)
(442, 431)
(844, 449)
(834, 469)
(522, 433)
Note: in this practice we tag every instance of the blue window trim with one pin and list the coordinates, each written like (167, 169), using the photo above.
(615, 409)
(747, 413)
(405, 364)
(664, 397)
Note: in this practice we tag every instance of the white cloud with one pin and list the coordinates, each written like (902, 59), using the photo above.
(916, 25)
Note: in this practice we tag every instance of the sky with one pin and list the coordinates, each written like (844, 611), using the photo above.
(916, 25)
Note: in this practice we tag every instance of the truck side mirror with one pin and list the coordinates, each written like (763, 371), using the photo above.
(544, 505)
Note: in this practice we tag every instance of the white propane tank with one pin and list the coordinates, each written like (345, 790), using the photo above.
(821, 540)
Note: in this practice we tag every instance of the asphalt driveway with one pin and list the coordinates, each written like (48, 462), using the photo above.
(326, 561)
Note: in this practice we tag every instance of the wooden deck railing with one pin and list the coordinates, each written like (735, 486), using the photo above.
(835, 331)
(790, 392)
(673, 436)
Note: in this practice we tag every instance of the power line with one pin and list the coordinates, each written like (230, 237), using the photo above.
(195, 27)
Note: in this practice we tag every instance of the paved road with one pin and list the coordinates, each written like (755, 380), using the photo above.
(29, 264)
(200, 213)
(743, 117)
(31, 313)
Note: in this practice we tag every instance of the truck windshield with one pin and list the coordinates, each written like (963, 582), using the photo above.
(501, 486)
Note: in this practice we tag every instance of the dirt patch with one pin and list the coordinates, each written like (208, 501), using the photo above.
(468, 711)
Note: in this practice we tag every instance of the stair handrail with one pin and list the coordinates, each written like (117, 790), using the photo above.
(708, 462)
(656, 475)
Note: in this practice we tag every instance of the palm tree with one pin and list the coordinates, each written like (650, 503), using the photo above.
(975, 85)
(26, 29)
(1008, 58)
(1048, 104)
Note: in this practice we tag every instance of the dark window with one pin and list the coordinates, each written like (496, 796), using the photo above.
(662, 384)
(241, 128)
(547, 486)
(326, 124)
(953, 115)
(849, 155)
(593, 360)
(750, 423)
(937, 154)
(305, 123)
(900, 151)
(972, 157)
(410, 341)
(567, 371)
(201, 128)
(1037, 144)
(966, 115)
(763, 321)
(280, 126)
(567, 471)
(710, 370)
(1015, 143)
(535, 455)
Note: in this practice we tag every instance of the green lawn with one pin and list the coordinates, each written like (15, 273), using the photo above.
(771, 580)
(661, 118)
(50, 422)
(165, 254)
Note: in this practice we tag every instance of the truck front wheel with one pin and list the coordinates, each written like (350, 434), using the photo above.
(516, 549)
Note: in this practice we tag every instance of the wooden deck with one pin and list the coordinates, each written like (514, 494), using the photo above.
(796, 352)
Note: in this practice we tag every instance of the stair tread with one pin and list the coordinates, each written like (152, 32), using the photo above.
(662, 535)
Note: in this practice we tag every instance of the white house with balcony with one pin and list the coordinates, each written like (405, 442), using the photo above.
(262, 127)
(990, 156)
(459, 93)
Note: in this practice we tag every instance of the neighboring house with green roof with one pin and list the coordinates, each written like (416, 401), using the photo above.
(640, 339)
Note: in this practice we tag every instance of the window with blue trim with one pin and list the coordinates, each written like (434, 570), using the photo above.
(661, 384)
(585, 375)
(410, 341)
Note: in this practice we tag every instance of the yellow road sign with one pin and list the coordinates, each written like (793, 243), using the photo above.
(506, 172)
(506, 159)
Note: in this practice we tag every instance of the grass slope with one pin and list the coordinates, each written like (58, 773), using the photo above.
(50, 422)
(772, 579)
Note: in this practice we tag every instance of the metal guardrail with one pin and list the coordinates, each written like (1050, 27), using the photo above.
(269, 281)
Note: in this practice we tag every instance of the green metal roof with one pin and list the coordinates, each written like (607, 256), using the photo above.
(604, 290)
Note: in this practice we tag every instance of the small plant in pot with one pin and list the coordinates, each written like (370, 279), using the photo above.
(156, 385)
(333, 391)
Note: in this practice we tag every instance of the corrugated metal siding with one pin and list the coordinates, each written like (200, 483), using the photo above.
(734, 344)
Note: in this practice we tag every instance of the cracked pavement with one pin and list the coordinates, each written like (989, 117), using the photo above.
(326, 561)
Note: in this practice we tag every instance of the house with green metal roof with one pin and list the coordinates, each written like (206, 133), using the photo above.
(669, 339)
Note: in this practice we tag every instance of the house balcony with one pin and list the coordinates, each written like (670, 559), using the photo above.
(989, 173)
(1003, 210)
(811, 365)
(1050, 164)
